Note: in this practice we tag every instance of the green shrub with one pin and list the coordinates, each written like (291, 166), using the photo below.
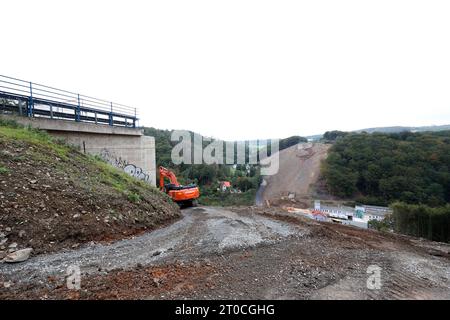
(134, 197)
(3, 170)
(384, 225)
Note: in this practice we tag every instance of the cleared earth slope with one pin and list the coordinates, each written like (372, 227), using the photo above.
(299, 170)
(53, 197)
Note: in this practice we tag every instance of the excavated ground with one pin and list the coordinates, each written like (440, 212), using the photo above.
(240, 253)
(298, 176)
(53, 197)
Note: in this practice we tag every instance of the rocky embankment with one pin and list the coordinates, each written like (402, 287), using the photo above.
(53, 197)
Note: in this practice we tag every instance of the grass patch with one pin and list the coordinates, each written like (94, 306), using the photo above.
(120, 180)
(3, 170)
(40, 139)
(113, 177)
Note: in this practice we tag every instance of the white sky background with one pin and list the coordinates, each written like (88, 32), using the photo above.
(241, 69)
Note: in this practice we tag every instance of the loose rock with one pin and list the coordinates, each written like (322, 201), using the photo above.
(18, 256)
(156, 253)
(13, 245)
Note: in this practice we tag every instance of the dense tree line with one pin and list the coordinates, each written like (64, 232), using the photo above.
(382, 168)
(291, 141)
(333, 135)
(422, 221)
(163, 145)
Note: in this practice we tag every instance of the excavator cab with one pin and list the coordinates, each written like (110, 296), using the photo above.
(183, 195)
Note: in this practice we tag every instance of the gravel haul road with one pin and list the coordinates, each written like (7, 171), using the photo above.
(240, 253)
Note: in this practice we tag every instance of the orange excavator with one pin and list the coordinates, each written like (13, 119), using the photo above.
(183, 195)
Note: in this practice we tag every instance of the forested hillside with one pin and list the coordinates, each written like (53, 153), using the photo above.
(408, 171)
(383, 168)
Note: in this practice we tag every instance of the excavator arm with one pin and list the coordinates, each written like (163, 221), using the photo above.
(166, 173)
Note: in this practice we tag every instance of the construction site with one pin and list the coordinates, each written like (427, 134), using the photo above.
(224, 159)
(62, 210)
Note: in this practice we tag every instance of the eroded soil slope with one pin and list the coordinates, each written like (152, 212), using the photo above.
(299, 170)
(53, 197)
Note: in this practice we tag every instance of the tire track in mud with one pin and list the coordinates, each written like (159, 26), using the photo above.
(402, 283)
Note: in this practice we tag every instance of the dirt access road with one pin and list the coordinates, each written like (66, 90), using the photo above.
(239, 253)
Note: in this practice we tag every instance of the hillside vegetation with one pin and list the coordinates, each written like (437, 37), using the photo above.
(409, 171)
(422, 221)
(383, 168)
(52, 196)
(208, 177)
(245, 178)
(395, 129)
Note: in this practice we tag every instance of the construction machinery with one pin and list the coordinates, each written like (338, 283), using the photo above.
(183, 195)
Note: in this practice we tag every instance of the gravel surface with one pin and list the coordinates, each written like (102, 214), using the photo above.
(241, 253)
(198, 233)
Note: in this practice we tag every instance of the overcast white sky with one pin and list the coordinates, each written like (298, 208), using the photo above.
(241, 69)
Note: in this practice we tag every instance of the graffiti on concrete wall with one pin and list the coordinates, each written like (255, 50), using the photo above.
(136, 172)
(113, 159)
(121, 163)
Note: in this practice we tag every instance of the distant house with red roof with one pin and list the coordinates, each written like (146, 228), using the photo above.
(225, 185)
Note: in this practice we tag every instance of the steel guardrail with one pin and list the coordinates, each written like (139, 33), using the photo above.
(37, 100)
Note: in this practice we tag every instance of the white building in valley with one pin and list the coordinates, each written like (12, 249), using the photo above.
(358, 216)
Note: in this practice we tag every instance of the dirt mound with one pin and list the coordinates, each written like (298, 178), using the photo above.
(53, 197)
(299, 170)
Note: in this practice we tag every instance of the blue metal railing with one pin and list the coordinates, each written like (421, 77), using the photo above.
(45, 101)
